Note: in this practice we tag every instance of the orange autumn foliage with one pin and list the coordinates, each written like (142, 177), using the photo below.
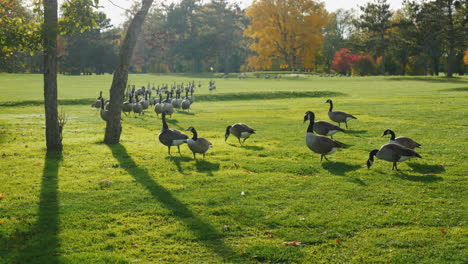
(465, 59)
(289, 30)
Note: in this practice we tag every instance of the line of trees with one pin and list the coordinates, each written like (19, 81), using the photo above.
(421, 38)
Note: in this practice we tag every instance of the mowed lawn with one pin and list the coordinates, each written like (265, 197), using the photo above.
(132, 203)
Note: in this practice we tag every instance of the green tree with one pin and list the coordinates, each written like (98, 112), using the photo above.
(375, 21)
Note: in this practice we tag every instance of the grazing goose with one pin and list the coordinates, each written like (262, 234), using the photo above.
(171, 137)
(324, 128)
(393, 153)
(239, 130)
(144, 101)
(105, 114)
(338, 116)
(158, 107)
(403, 141)
(197, 144)
(320, 144)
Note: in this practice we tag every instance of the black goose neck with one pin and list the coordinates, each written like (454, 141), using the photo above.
(372, 154)
(195, 134)
(331, 106)
(165, 126)
(310, 128)
(392, 135)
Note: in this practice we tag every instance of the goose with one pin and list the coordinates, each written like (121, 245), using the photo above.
(338, 116)
(324, 128)
(197, 144)
(402, 141)
(167, 106)
(98, 102)
(158, 107)
(144, 101)
(105, 114)
(393, 153)
(137, 107)
(186, 102)
(239, 130)
(176, 102)
(127, 106)
(171, 137)
(320, 144)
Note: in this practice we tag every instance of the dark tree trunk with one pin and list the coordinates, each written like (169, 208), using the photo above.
(53, 138)
(451, 40)
(119, 82)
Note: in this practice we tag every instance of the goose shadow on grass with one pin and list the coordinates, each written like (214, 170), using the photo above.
(204, 166)
(178, 160)
(423, 178)
(206, 234)
(248, 147)
(425, 168)
(185, 113)
(43, 244)
(341, 168)
(350, 131)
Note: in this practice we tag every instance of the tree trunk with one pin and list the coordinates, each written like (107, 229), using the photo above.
(451, 39)
(119, 82)
(53, 139)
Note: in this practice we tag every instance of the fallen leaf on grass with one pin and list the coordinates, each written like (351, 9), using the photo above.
(292, 243)
(135, 245)
(337, 240)
(13, 236)
(1, 222)
(3, 155)
(38, 164)
(442, 230)
(1, 196)
(440, 164)
(245, 170)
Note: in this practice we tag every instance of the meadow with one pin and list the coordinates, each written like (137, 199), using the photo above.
(132, 203)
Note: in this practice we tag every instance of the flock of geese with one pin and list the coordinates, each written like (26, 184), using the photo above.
(397, 150)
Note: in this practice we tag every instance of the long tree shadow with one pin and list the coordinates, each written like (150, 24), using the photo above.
(44, 243)
(341, 168)
(425, 168)
(206, 234)
(255, 148)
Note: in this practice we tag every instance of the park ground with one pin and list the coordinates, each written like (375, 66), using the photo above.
(132, 203)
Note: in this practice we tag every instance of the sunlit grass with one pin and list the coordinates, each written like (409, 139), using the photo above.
(159, 209)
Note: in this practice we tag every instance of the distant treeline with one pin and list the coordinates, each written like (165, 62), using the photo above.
(202, 36)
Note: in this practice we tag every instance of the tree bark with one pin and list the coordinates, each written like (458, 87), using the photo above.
(451, 40)
(119, 82)
(53, 139)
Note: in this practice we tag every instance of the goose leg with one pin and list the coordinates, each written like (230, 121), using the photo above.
(325, 158)
(346, 124)
(321, 158)
(244, 140)
(203, 156)
(339, 124)
(194, 156)
(169, 150)
(178, 147)
(396, 168)
(331, 136)
(239, 141)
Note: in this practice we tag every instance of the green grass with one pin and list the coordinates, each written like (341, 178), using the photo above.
(160, 209)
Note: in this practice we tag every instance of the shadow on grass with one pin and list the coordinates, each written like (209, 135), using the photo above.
(177, 161)
(341, 168)
(185, 113)
(425, 178)
(428, 79)
(459, 89)
(205, 233)
(255, 148)
(44, 244)
(207, 167)
(425, 168)
(355, 131)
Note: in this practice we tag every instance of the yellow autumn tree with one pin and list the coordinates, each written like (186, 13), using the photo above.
(465, 59)
(289, 30)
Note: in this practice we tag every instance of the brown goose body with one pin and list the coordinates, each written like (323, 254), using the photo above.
(239, 130)
(171, 137)
(320, 144)
(392, 153)
(402, 141)
(338, 116)
(198, 144)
